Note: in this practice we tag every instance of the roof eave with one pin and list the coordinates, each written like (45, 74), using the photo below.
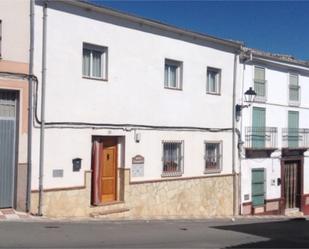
(90, 6)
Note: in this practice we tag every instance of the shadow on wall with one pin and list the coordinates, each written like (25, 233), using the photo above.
(292, 233)
(87, 13)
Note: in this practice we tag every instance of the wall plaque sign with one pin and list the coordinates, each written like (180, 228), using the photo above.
(138, 166)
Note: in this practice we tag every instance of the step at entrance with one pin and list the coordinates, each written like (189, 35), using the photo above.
(111, 210)
(107, 212)
(293, 212)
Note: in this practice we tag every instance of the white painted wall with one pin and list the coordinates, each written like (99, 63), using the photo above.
(134, 93)
(64, 145)
(272, 172)
(15, 30)
(277, 107)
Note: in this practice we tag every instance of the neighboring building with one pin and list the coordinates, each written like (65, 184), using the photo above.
(275, 131)
(14, 62)
(143, 107)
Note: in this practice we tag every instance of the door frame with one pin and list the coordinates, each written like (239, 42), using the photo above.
(103, 140)
(300, 160)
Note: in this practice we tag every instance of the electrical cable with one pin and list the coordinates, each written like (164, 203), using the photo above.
(87, 125)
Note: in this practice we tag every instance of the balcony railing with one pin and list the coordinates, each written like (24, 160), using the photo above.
(261, 137)
(295, 138)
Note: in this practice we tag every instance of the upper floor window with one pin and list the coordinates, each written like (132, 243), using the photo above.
(294, 89)
(173, 74)
(94, 61)
(172, 158)
(213, 80)
(260, 83)
(213, 157)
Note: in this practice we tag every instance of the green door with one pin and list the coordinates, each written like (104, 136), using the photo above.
(293, 126)
(258, 128)
(258, 188)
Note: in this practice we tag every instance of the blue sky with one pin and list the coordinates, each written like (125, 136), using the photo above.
(275, 26)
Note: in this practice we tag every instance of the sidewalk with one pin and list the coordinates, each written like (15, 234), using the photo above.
(13, 215)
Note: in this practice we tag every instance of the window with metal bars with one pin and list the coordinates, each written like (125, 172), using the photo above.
(172, 158)
(213, 157)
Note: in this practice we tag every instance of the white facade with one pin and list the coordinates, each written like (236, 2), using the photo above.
(277, 105)
(133, 93)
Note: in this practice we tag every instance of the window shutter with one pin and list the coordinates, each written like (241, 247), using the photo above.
(293, 88)
(259, 74)
(293, 93)
(258, 127)
(259, 81)
(293, 120)
(293, 126)
(293, 80)
(258, 188)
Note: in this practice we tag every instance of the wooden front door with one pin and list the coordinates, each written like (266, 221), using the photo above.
(108, 170)
(292, 186)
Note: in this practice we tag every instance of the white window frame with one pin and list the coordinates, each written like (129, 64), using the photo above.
(217, 80)
(259, 98)
(220, 157)
(173, 173)
(104, 60)
(179, 70)
(294, 102)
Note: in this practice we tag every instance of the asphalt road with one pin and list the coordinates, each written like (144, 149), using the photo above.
(244, 233)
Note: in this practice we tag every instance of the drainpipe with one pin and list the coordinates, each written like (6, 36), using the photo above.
(234, 173)
(30, 109)
(245, 60)
(42, 130)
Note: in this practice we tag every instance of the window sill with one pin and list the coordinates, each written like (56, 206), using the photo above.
(294, 103)
(171, 174)
(260, 99)
(212, 171)
(212, 93)
(173, 88)
(258, 206)
(92, 78)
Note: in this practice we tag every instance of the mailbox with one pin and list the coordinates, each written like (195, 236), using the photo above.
(77, 164)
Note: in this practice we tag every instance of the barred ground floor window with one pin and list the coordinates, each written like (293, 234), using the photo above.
(172, 158)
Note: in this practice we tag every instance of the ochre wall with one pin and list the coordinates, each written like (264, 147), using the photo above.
(21, 86)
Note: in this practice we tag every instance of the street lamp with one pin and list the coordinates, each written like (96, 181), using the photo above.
(250, 95)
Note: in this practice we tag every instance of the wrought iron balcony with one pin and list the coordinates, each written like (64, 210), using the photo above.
(295, 138)
(261, 137)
